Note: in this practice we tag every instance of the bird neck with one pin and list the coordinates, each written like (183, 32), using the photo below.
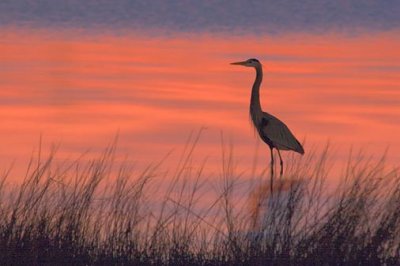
(255, 105)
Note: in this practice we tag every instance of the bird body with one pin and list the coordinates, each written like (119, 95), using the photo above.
(271, 130)
(277, 135)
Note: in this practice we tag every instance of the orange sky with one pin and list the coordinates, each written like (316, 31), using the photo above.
(80, 91)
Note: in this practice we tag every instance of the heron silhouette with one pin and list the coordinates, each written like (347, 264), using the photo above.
(271, 130)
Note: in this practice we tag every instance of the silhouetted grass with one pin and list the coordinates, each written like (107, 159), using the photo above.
(92, 213)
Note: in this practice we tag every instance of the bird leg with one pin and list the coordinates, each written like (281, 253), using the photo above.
(281, 162)
(272, 171)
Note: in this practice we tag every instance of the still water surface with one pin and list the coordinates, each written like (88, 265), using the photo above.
(80, 91)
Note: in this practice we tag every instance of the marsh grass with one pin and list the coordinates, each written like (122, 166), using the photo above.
(98, 213)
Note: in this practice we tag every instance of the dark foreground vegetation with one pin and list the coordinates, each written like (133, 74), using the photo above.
(89, 213)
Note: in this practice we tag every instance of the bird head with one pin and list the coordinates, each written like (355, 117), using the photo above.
(252, 62)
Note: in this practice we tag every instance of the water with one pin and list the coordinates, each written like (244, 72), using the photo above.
(80, 90)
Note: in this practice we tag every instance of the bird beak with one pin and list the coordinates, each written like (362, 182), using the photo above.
(243, 63)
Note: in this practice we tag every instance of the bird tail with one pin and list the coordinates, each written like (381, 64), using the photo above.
(299, 148)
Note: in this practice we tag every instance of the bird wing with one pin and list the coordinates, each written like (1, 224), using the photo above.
(279, 134)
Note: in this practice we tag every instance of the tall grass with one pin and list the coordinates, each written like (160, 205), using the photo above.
(96, 213)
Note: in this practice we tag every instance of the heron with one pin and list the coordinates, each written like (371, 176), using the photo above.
(271, 130)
